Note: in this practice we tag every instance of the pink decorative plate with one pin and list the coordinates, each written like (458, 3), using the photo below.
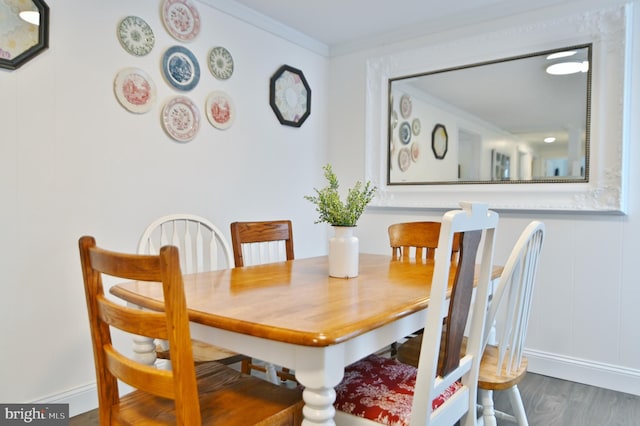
(415, 151)
(220, 110)
(404, 159)
(181, 118)
(181, 18)
(405, 106)
(135, 90)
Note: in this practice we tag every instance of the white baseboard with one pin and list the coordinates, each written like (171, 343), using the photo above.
(80, 399)
(578, 370)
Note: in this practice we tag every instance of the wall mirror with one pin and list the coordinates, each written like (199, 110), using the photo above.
(467, 119)
(515, 120)
(24, 31)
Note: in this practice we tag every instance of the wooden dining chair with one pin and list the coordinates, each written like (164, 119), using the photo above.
(503, 364)
(202, 248)
(255, 243)
(418, 240)
(211, 393)
(443, 389)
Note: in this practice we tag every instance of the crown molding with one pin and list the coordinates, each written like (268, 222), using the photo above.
(270, 25)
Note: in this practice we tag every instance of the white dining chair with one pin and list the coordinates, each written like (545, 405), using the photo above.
(503, 364)
(201, 244)
(443, 389)
(202, 247)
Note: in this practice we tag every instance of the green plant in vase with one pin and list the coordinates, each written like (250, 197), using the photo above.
(330, 207)
(343, 216)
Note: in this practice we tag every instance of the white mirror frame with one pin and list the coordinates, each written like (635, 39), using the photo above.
(609, 32)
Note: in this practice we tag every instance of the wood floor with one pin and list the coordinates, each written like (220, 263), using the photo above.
(555, 402)
(548, 402)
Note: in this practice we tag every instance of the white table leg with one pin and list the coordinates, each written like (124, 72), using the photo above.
(319, 371)
(318, 407)
(144, 350)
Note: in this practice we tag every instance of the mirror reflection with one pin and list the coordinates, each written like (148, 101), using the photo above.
(517, 120)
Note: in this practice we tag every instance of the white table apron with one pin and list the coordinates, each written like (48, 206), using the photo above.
(318, 368)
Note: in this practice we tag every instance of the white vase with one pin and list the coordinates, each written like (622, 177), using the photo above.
(343, 253)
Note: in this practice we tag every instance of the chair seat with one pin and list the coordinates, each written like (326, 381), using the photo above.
(204, 352)
(381, 389)
(489, 380)
(409, 352)
(227, 398)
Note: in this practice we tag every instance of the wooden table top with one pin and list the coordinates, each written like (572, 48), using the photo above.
(296, 301)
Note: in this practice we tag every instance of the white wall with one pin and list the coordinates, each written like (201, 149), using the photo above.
(74, 162)
(585, 316)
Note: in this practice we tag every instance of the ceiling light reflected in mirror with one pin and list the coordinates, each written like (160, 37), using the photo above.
(563, 54)
(566, 68)
(30, 16)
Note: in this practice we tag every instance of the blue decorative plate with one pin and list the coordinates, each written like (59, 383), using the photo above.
(180, 68)
(405, 132)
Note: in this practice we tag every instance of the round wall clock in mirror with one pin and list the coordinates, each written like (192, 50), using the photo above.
(439, 141)
(24, 32)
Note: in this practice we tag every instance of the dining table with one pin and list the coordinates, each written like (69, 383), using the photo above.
(293, 314)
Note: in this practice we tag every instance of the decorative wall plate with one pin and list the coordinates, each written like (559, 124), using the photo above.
(220, 110)
(405, 106)
(416, 126)
(135, 90)
(404, 159)
(439, 141)
(290, 96)
(405, 132)
(394, 119)
(136, 36)
(181, 18)
(181, 68)
(415, 151)
(181, 118)
(220, 63)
